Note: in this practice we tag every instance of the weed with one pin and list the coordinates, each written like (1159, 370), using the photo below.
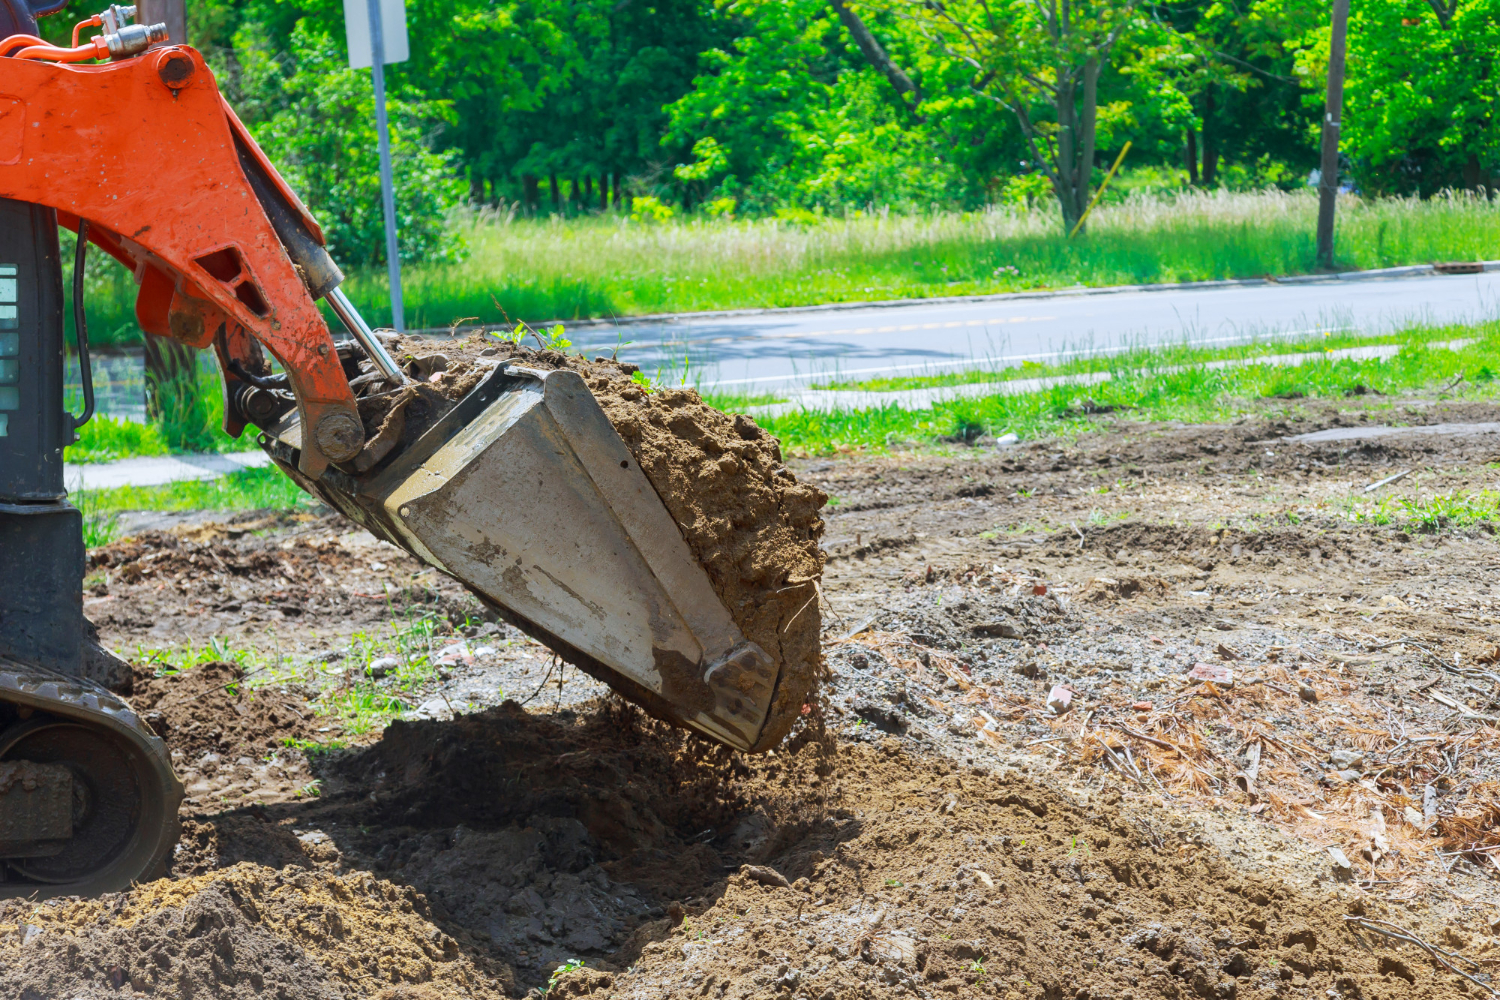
(313, 748)
(571, 965)
(895, 883)
(360, 709)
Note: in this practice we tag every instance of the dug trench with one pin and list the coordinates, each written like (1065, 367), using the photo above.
(931, 827)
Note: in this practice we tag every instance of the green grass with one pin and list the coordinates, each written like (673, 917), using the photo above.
(190, 420)
(105, 439)
(1430, 513)
(1146, 358)
(252, 489)
(1142, 388)
(607, 265)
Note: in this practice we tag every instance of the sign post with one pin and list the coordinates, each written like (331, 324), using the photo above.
(1328, 179)
(376, 31)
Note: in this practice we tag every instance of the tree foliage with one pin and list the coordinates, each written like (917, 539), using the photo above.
(829, 106)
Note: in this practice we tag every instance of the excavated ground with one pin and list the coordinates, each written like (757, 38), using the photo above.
(1252, 679)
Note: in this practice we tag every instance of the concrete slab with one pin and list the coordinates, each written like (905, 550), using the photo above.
(1382, 431)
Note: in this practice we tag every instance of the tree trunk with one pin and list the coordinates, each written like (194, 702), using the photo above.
(531, 195)
(556, 193)
(172, 13)
(604, 192)
(1067, 165)
(875, 55)
(1191, 157)
(1210, 148)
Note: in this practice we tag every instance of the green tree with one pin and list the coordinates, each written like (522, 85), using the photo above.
(791, 114)
(316, 121)
(1420, 101)
(1042, 60)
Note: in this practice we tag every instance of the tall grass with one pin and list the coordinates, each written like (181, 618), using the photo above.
(608, 265)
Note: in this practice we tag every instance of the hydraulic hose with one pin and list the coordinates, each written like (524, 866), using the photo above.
(80, 325)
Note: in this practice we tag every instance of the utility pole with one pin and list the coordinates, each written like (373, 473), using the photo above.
(1328, 180)
(171, 365)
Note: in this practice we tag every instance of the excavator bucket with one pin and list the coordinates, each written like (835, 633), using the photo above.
(525, 493)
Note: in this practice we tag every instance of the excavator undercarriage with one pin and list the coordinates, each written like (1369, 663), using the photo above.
(522, 489)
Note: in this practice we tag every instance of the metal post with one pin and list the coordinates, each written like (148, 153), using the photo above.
(1328, 180)
(387, 186)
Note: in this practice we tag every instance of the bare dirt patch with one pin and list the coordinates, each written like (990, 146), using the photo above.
(946, 833)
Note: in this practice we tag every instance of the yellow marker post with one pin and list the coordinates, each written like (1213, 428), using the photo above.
(1097, 194)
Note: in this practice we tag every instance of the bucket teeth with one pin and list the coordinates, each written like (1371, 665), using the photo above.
(526, 494)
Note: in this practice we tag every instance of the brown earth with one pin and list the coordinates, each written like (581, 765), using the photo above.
(932, 829)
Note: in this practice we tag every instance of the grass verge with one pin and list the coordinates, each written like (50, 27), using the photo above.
(252, 489)
(1149, 386)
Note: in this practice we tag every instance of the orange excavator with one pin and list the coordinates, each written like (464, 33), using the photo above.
(522, 490)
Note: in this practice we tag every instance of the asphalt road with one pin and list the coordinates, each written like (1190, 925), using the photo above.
(786, 347)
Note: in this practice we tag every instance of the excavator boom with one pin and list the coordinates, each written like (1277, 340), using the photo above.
(520, 487)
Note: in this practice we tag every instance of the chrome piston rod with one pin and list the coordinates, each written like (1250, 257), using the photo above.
(366, 338)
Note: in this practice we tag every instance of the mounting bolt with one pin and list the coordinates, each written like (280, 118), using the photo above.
(340, 436)
(175, 68)
(323, 350)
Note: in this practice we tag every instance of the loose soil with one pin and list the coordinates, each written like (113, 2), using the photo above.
(745, 516)
(1252, 679)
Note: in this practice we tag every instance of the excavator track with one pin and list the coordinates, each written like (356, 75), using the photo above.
(117, 772)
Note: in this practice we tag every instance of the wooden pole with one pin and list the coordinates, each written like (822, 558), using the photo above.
(171, 366)
(1328, 180)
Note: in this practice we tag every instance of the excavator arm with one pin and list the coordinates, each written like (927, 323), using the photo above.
(172, 185)
(522, 489)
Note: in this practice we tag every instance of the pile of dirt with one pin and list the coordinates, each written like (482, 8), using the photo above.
(247, 931)
(209, 709)
(745, 516)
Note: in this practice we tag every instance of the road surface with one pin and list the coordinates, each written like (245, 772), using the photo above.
(764, 351)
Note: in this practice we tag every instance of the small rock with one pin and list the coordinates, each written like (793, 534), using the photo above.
(765, 876)
(1413, 817)
(1343, 871)
(1141, 706)
(1349, 776)
(1006, 440)
(1004, 630)
(1218, 673)
(383, 666)
(1343, 760)
(962, 726)
(1307, 694)
(1060, 699)
(1039, 590)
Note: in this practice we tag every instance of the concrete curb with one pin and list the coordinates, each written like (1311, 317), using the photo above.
(1376, 274)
